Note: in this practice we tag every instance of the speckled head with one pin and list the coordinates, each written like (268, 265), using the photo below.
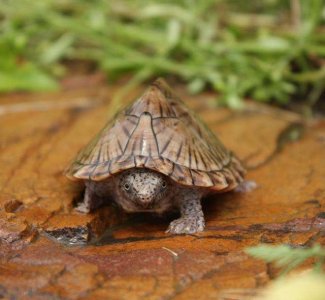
(143, 190)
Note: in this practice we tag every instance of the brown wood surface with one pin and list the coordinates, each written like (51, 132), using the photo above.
(45, 251)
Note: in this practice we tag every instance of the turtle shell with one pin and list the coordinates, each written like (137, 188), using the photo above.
(158, 132)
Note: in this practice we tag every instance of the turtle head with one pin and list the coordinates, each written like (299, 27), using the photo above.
(142, 190)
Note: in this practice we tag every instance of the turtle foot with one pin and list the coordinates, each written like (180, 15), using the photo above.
(82, 208)
(187, 225)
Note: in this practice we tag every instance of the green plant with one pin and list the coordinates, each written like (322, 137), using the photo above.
(269, 50)
(287, 257)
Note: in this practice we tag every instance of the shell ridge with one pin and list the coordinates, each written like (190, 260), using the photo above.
(95, 164)
(195, 158)
(192, 178)
(143, 141)
(189, 156)
(119, 143)
(125, 130)
(179, 151)
(155, 136)
(128, 141)
(164, 148)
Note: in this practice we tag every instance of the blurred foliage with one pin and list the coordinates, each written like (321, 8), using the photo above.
(270, 50)
(305, 286)
(289, 258)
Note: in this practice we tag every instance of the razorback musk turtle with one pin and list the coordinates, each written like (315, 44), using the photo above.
(155, 155)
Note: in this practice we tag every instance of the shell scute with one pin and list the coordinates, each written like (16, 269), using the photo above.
(201, 178)
(164, 166)
(182, 175)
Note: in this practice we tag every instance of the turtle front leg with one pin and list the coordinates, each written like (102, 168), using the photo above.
(192, 218)
(91, 198)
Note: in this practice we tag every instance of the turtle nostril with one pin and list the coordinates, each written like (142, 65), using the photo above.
(145, 202)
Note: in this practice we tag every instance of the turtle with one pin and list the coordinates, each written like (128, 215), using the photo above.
(156, 155)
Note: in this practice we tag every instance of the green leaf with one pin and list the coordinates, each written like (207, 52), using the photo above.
(286, 256)
(26, 78)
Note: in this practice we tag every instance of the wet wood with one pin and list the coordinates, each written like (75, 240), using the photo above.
(56, 253)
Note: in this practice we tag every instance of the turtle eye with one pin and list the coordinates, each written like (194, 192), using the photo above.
(164, 184)
(126, 186)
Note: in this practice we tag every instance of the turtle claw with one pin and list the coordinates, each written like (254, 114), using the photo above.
(187, 225)
(246, 186)
(82, 208)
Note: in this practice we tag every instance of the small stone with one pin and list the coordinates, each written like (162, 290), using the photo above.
(78, 229)
(13, 229)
